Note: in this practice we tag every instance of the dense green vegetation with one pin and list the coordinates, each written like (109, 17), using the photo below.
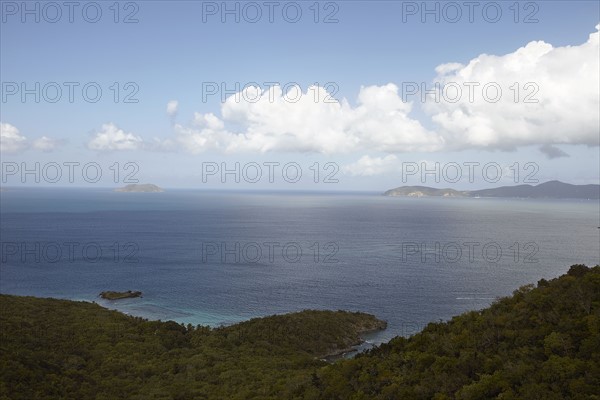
(540, 343)
(58, 349)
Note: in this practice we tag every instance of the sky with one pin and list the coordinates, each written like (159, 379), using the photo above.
(305, 95)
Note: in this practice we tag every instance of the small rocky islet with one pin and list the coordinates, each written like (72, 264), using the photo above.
(112, 295)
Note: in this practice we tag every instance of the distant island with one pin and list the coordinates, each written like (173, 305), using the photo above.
(140, 188)
(547, 190)
(109, 295)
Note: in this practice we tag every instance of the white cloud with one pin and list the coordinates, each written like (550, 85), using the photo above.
(112, 138)
(567, 111)
(46, 144)
(370, 166)
(172, 108)
(11, 141)
(314, 123)
(563, 80)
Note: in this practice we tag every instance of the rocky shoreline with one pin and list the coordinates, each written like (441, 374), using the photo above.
(340, 354)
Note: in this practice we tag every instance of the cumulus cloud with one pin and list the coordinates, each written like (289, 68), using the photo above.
(172, 108)
(11, 141)
(311, 122)
(557, 101)
(111, 138)
(370, 166)
(548, 96)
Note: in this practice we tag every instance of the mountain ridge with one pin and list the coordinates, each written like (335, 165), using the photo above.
(551, 190)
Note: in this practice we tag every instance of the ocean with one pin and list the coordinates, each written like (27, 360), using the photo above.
(220, 257)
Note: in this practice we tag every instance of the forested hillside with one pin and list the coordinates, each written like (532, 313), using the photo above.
(541, 343)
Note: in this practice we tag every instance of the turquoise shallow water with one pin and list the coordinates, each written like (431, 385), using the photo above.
(221, 257)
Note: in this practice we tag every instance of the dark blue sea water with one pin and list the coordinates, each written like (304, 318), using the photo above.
(208, 257)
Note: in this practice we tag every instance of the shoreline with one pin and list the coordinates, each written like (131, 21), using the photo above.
(354, 348)
(330, 357)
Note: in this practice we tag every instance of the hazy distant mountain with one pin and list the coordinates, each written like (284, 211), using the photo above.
(424, 191)
(145, 187)
(551, 189)
(548, 190)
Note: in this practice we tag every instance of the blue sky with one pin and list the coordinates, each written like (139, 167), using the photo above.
(372, 56)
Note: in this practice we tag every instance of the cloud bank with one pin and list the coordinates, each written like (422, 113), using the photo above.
(537, 95)
(379, 122)
(557, 101)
